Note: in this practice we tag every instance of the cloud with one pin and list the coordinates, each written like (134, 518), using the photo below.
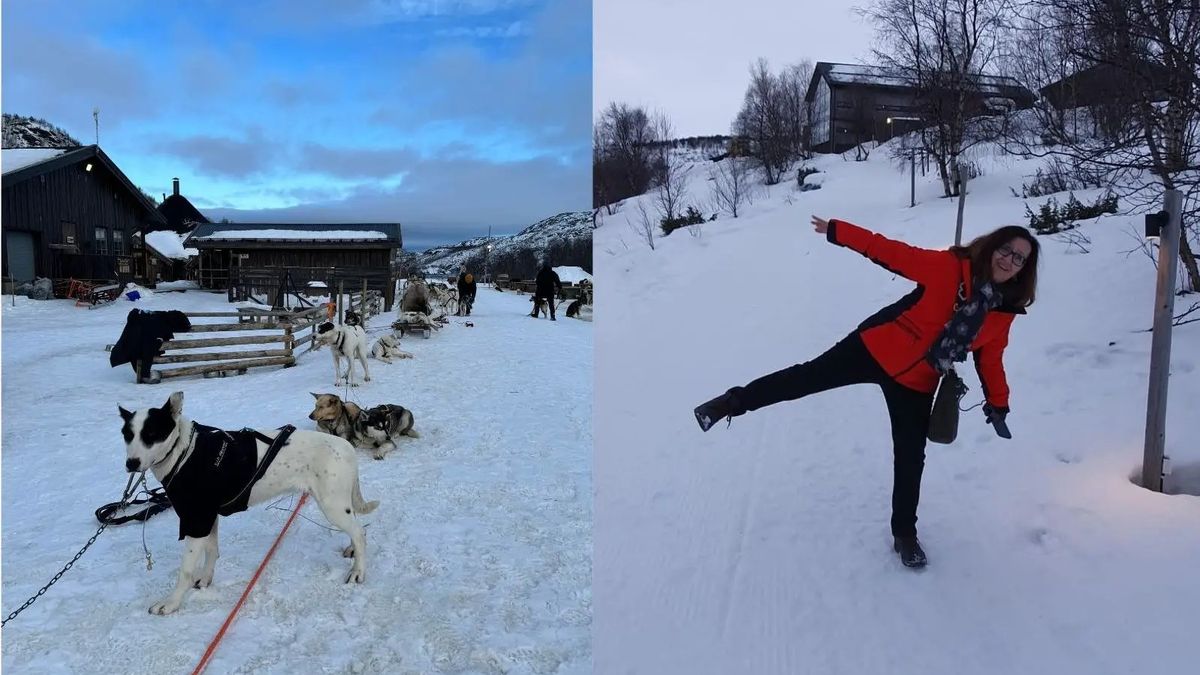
(514, 29)
(355, 163)
(62, 78)
(459, 193)
(221, 156)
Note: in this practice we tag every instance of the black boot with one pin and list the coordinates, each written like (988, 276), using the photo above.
(721, 407)
(911, 553)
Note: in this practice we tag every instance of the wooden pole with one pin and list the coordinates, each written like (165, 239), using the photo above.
(341, 291)
(912, 195)
(962, 201)
(1160, 344)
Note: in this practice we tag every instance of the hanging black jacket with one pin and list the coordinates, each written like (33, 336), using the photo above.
(144, 334)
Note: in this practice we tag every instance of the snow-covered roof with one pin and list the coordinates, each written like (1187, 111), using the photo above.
(371, 234)
(295, 235)
(572, 275)
(883, 76)
(170, 245)
(19, 158)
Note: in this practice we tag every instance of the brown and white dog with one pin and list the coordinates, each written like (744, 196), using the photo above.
(375, 429)
(339, 418)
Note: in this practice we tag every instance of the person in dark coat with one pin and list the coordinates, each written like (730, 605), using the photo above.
(548, 287)
(466, 290)
(965, 301)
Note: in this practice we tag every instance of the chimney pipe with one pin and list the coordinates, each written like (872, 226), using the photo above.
(175, 184)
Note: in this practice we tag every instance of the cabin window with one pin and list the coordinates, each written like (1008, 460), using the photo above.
(118, 242)
(101, 241)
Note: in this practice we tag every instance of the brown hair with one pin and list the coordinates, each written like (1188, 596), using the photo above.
(1021, 289)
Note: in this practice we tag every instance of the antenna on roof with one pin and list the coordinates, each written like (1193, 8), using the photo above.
(96, 118)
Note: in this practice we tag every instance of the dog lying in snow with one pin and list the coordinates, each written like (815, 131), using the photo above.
(387, 347)
(345, 341)
(339, 418)
(375, 429)
(209, 472)
(386, 423)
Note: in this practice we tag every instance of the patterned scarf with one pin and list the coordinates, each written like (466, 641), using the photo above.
(963, 326)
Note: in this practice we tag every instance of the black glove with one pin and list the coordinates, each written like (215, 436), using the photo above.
(996, 417)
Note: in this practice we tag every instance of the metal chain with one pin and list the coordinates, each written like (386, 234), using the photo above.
(43, 589)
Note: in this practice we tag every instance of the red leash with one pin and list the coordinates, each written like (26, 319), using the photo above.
(212, 646)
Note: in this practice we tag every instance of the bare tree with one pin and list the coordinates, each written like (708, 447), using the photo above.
(794, 84)
(731, 185)
(762, 122)
(672, 172)
(601, 177)
(623, 163)
(1146, 135)
(643, 225)
(864, 126)
(943, 47)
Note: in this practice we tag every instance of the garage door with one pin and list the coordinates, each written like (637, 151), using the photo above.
(20, 255)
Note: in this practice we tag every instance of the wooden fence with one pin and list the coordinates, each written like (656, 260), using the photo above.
(276, 334)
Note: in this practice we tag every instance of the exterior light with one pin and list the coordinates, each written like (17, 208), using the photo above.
(889, 120)
(88, 167)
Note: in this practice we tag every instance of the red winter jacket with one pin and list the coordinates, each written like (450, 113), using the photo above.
(899, 336)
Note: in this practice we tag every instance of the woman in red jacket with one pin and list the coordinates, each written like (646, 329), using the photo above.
(966, 299)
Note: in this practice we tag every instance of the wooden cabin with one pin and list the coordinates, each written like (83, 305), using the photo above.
(72, 213)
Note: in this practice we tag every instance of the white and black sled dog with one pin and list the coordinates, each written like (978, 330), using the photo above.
(209, 472)
(387, 347)
(349, 341)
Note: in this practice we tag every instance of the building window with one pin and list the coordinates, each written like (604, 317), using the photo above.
(102, 241)
(118, 242)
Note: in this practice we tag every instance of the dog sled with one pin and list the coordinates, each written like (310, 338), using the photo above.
(418, 323)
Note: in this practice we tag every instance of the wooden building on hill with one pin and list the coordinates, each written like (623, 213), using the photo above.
(852, 104)
(72, 213)
(257, 258)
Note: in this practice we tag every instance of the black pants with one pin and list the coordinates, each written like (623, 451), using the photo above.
(848, 362)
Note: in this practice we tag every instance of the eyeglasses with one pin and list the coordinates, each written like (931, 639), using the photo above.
(1017, 258)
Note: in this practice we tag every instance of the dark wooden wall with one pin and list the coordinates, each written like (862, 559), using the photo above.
(43, 204)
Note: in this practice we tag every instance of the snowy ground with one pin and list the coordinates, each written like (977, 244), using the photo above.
(764, 548)
(479, 554)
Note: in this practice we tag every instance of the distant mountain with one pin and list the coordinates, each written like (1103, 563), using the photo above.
(565, 238)
(32, 132)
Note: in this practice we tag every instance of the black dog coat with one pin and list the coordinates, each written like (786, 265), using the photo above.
(217, 477)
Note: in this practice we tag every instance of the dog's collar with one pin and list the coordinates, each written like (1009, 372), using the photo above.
(183, 455)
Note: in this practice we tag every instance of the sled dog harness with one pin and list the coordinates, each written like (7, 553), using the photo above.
(218, 475)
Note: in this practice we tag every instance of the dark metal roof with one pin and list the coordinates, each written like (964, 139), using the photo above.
(76, 156)
(178, 211)
(304, 232)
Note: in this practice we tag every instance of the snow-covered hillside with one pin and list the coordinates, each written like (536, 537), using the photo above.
(30, 132)
(567, 237)
(764, 547)
(479, 555)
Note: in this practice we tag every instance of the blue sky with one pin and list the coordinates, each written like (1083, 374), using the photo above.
(445, 115)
